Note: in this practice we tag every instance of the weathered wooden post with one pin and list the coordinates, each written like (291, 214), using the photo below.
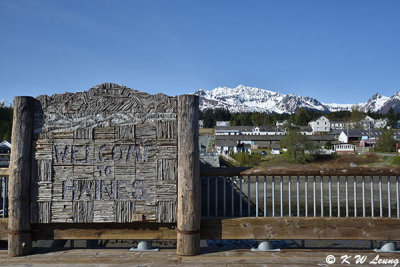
(188, 212)
(19, 225)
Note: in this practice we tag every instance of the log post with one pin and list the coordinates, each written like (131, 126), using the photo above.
(19, 226)
(188, 211)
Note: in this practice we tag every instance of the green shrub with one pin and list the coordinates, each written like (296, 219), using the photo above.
(396, 160)
(247, 160)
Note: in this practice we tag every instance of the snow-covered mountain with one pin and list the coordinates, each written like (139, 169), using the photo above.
(391, 102)
(243, 98)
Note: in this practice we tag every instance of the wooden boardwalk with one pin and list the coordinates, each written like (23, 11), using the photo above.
(168, 257)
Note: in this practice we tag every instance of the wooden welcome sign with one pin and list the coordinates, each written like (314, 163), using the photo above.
(107, 155)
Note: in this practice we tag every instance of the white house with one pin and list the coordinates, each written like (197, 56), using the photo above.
(201, 124)
(5, 143)
(276, 150)
(5, 147)
(262, 131)
(247, 130)
(281, 123)
(380, 123)
(222, 123)
(322, 124)
(345, 148)
(368, 121)
(338, 125)
(305, 130)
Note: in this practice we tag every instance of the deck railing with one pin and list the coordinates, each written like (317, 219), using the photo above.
(3, 192)
(269, 204)
(355, 192)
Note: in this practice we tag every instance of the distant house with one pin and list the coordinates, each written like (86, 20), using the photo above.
(247, 130)
(365, 137)
(350, 135)
(305, 130)
(345, 148)
(226, 146)
(276, 149)
(281, 123)
(380, 124)
(201, 123)
(322, 124)
(338, 125)
(5, 147)
(234, 143)
(367, 123)
(221, 123)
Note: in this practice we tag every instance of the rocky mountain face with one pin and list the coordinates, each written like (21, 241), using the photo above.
(251, 99)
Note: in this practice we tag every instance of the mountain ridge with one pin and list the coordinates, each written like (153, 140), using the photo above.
(252, 99)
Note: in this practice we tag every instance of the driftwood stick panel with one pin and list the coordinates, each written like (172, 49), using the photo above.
(19, 225)
(108, 154)
(261, 171)
(188, 224)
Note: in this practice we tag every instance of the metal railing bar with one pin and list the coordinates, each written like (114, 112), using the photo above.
(298, 195)
(306, 196)
(273, 195)
(347, 195)
(372, 197)
(330, 195)
(265, 196)
(389, 197)
(338, 194)
(224, 185)
(380, 197)
(290, 195)
(232, 197)
(248, 196)
(216, 196)
(355, 195)
(241, 197)
(208, 197)
(315, 196)
(256, 196)
(363, 194)
(322, 195)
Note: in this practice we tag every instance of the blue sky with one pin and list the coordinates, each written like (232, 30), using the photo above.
(336, 51)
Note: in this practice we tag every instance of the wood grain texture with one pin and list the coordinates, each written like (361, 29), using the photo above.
(3, 228)
(267, 228)
(209, 257)
(189, 183)
(384, 229)
(4, 172)
(19, 225)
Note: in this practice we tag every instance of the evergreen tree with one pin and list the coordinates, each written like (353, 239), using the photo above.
(386, 142)
(296, 144)
(392, 120)
(6, 116)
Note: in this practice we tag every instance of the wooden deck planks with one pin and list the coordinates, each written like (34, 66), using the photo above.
(167, 257)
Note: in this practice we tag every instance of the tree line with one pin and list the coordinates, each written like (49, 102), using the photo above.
(6, 117)
(301, 117)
